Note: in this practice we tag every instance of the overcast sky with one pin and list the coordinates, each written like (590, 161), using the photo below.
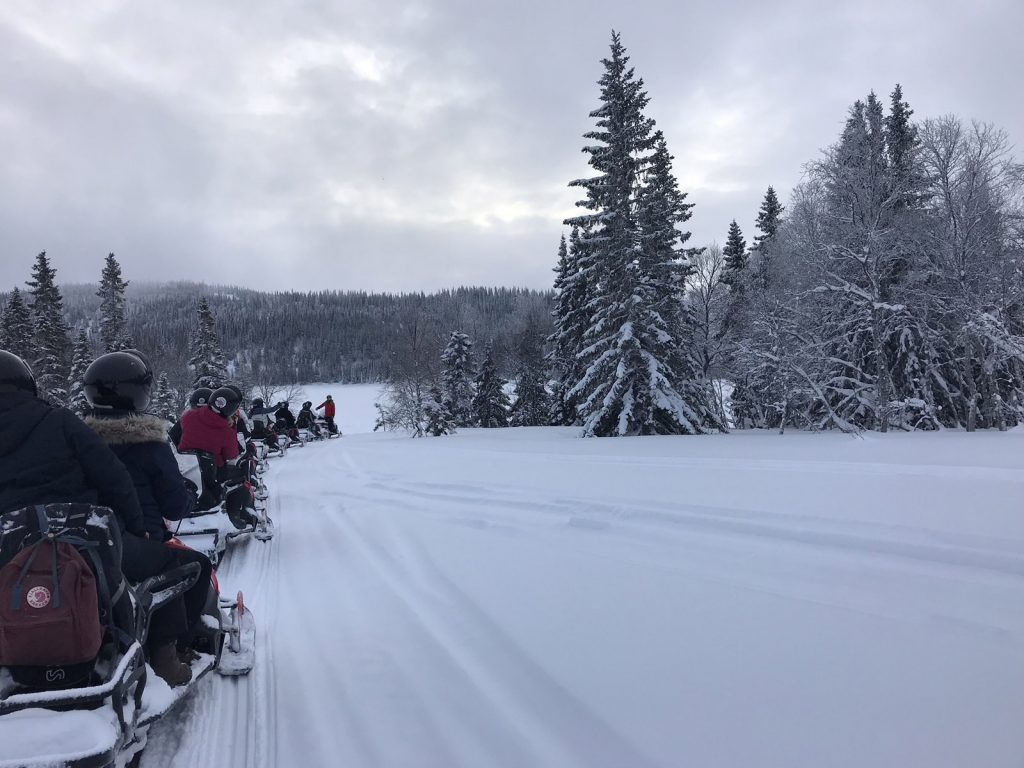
(400, 146)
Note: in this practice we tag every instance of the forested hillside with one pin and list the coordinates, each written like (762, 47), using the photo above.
(303, 337)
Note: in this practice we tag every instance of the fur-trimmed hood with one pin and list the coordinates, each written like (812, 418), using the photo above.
(130, 430)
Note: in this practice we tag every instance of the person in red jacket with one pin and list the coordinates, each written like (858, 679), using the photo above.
(205, 429)
(328, 408)
(208, 429)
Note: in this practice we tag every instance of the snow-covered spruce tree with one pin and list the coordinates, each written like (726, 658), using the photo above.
(113, 311)
(490, 404)
(735, 254)
(206, 360)
(735, 276)
(532, 407)
(436, 415)
(640, 377)
(52, 348)
(571, 316)
(457, 378)
(769, 219)
(16, 328)
(165, 403)
(81, 359)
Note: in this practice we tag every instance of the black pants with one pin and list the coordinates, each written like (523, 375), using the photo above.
(239, 497)
(330, 424)
(177, 619)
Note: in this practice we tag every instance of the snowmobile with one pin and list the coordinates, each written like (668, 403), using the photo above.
(290, 436)
(97, 714)
(210, 528)
(325, 429)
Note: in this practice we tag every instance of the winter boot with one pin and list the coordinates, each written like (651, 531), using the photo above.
(163, 658)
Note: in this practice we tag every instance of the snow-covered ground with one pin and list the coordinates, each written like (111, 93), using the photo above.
(524, 598)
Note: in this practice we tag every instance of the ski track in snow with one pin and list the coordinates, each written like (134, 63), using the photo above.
(373, 650)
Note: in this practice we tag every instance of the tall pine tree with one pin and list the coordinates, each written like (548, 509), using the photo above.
(437, 419)
(735, 253)
(52, 353)
(490, 404)
(113, 312)
(769, 219)
(206, 359)
(571, 316)
(637, 378)
(457, 377)
(16, 328)
(165, 400)
(80, 361)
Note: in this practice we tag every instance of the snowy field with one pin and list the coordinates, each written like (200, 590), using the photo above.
(523, 598)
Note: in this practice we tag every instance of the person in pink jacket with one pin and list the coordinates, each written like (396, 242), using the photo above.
(207, 428)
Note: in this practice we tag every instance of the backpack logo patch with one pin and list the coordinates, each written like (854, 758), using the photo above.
(38, 597)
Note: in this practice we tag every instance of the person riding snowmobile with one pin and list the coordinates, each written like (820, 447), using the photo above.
(329, 411)
(207, 429)
(197, 399)
(118, 387)
(262, 428)
(286, 420)
(49, 456)
(306, 419)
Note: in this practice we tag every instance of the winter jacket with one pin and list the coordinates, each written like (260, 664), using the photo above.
(261, 416)
(328, 406)
(47, 455)
(285, 415)
(206, 430)
(305, 419)
(140, 442)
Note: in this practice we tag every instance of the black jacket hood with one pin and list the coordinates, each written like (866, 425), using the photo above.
(20, 413)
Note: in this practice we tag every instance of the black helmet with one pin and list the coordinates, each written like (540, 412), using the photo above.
(307, 404)
(118, 381)
(200, 397)
(142, 357)
(224, 401)
(15, 375)
(238, 392)
(257, 402)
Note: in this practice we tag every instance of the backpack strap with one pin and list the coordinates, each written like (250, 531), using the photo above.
(90, 548)
(18, 588)
(42, 519)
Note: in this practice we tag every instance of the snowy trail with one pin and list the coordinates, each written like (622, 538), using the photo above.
(487, 601)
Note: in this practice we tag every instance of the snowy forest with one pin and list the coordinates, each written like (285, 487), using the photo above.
(192, 332)
(886, 293)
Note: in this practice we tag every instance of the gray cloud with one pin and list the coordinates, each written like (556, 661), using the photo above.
(404, 145)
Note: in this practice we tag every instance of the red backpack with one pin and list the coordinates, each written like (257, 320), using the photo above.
(49, 606)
